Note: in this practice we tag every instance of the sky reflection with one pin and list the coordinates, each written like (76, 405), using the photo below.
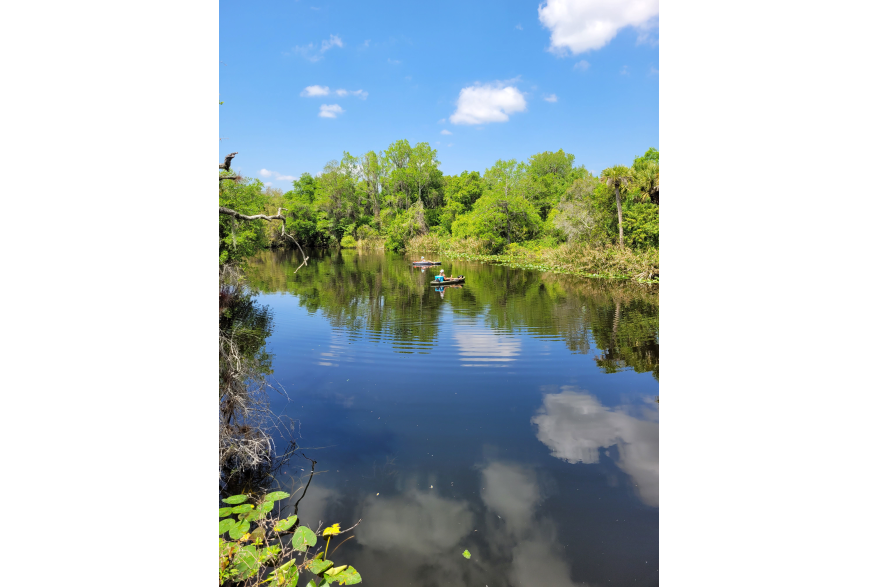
(575, 426)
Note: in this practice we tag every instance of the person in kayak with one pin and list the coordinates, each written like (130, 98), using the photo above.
(440, 276)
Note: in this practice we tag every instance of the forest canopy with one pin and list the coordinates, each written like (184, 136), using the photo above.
(388, 198)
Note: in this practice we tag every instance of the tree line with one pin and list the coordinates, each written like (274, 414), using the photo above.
(395, 195)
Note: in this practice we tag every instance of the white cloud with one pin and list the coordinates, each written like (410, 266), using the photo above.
(519, 27)
(394, 61)
(582, 65)
(315, 91)
(311, 53)
(266, 173)
(446, 132)
(450, 144)
(484, 103)
(334, 41)
(653, 71)
(585, 25)
(330, 110)
(624, 71)
(443, 120)
(268, 184)
(551, 98)
(312, 91)
(366, 43)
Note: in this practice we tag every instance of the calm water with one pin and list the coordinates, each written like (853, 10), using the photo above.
(514, 417)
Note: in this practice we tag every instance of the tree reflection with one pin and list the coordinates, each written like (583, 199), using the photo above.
(381, 297)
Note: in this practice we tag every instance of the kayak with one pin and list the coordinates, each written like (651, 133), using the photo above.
(448, 281)
(426, 263)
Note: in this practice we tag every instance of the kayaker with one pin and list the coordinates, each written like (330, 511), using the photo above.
(440, 276)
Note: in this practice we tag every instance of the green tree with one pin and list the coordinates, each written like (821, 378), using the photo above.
(549, 176)
(460, 194)
(617, 177)
(646, 178)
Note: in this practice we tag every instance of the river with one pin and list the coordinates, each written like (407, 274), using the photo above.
(515, 417)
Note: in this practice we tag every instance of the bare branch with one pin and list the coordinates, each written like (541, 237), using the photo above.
(234, 178)
(228, 159)
(239, 216)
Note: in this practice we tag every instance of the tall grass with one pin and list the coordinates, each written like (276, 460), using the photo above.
(607, 261)
(432, 243)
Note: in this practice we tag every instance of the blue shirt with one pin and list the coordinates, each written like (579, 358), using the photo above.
(439, 277)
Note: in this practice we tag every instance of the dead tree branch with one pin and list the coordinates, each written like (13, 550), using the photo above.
(239, 216)
(227, 163)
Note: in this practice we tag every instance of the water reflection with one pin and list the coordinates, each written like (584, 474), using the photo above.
(575, 426)
(381, 298)
(511, 491)
(483, 348)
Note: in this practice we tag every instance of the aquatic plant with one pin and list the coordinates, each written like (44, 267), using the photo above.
(257, 547)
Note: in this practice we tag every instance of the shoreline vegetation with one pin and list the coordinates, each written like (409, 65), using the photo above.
(545, 213)
(605, 262)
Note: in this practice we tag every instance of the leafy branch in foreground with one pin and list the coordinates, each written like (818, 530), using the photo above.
(265, 549)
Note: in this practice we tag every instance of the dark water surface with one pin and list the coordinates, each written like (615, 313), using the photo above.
(514, 416)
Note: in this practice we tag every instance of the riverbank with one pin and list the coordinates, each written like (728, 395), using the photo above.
(606, 262)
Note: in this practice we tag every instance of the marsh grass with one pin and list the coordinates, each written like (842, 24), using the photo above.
(601, 261)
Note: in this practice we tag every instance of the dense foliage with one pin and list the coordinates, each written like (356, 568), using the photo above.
(394, 196)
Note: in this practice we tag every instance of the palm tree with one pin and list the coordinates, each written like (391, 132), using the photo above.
(646, 178)
(615, 177)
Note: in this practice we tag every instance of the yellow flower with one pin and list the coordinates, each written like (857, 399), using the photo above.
(245, 537)
(333, 529)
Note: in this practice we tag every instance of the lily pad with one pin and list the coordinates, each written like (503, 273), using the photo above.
(235, 499)
(303, 538)
(226, 525)
(284, 525)
(238, 530)
(318, 566)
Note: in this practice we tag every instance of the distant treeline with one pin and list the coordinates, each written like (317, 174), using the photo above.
(390, 197)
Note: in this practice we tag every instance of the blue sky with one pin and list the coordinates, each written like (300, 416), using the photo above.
(303, 81)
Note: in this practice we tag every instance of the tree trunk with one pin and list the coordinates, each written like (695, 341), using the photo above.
(620, 226)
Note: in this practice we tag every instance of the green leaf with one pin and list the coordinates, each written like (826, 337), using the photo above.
(303, 538)
(225, 525)
(247, 561)
(348, 576)
(238, 530)
(224, 512)
(335, 570)
(286, 575)
(467, 554)
(284, 525)
(235, 499)
(276, 496)
(242, 508)
(318, 566)
(265, 506)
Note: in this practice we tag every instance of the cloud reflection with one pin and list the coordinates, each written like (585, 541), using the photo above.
(512, 492)
(575, 426)
(485, 349)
